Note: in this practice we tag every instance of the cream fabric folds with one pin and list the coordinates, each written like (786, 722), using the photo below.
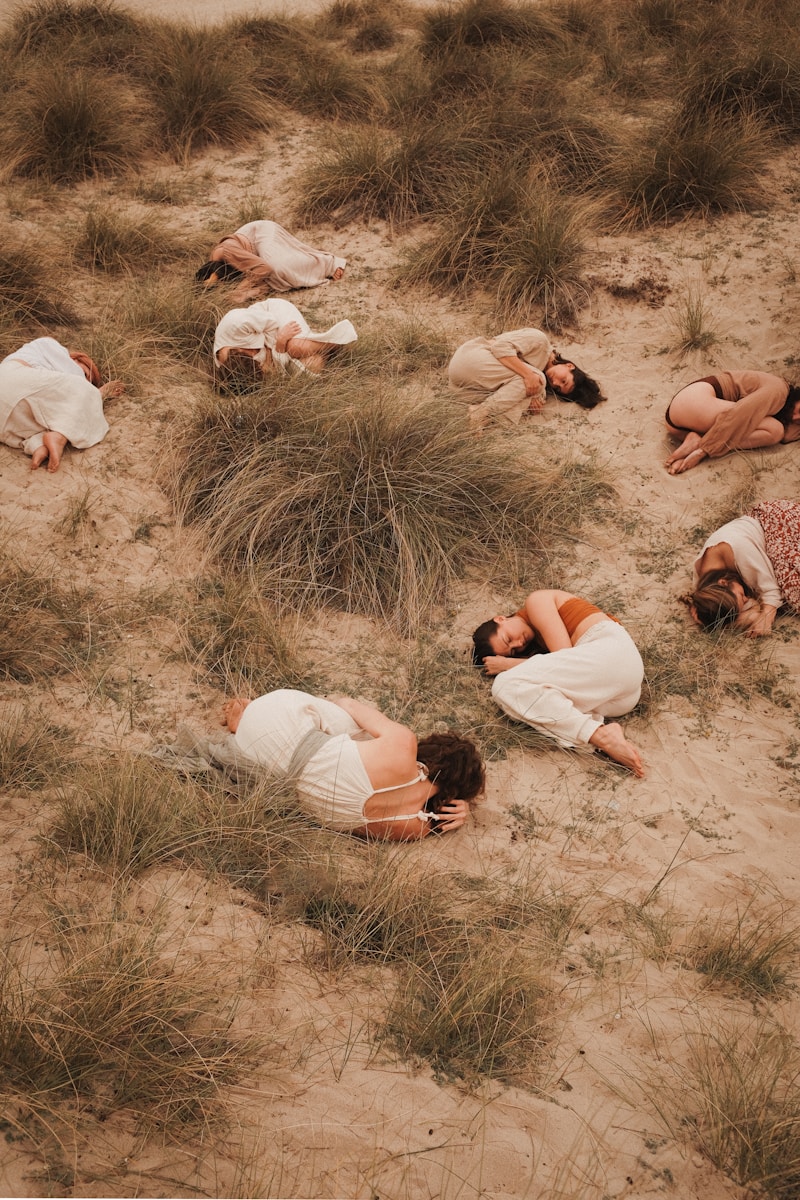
(267, 253)
(256, 328)
(34, 400)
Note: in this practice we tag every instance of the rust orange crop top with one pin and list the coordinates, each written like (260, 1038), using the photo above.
(573, 611)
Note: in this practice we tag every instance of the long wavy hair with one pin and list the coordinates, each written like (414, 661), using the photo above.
(713, 601)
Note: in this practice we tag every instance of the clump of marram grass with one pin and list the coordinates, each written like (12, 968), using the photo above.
(203, 89)
(33, 751)
(514, 233)
(241, 641)
(364, 502)
(740, 1098)
(114, 240)
(368, 173)
(44, 626)
(70, 122)
(115, 1023)
(482, 23)
(97, 30)
(165, 315)
(28, 291)
(474, 994)
(754, 950)
(130, 814)
(702, 163)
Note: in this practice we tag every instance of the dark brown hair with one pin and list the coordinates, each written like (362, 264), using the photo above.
(454, 765)
(713, 601)
(585, 392)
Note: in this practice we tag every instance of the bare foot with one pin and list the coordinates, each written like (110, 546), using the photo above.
(692, 459)
(689, 446)
(53, 446)
(232, 713)
(337, 274)
(612, 741)
(112, 389)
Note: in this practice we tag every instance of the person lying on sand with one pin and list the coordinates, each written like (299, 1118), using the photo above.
(590, 670)
(385, 785)
(274, 335)
(506, 376)
(51, 397)
(748, 570)
(270, 259)
(732, 410)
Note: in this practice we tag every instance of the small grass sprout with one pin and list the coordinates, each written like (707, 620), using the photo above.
(753, 950)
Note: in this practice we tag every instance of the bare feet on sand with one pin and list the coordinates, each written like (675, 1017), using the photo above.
(612, 741)
(53, 446)
(687, 455)
(337, 274)
(232, 712)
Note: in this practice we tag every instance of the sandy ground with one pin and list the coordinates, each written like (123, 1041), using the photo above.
(712, 827)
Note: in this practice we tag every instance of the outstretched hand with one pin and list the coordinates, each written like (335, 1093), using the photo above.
(452, 815)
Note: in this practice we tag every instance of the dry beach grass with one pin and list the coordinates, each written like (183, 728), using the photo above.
(590, 992)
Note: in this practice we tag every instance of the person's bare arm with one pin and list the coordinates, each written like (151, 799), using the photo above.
(716, 558)
(543, 617)
(493, 664)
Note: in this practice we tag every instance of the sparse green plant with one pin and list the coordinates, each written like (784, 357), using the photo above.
(76, 514)
(71, 122)
(165, 316)
(679, 662)
(753, 950)
(693, 322)
(361, 502)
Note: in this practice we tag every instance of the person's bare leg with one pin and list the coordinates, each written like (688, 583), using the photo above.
(232, 712)
(612, 741)
(53, 446)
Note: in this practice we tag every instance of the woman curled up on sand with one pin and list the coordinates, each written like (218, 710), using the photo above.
(749, 569)
(584, 668)
(266, 257)
(356, 770)
(506, 376)
(733, 410)
(51, 397)
(273, 335)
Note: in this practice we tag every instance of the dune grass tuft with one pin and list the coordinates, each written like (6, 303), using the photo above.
(241, 641)
(203, 89)
(44, 626)
(115, 1023)
(484, 23)
(113, 240)
(362, 501)
(28, 292)
(741, 1099)
(33, 751)
(70, 122)
(100, 28)
(694, 163)
(753, 950)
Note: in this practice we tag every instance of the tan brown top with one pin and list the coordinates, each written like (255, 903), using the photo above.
(756, 395)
